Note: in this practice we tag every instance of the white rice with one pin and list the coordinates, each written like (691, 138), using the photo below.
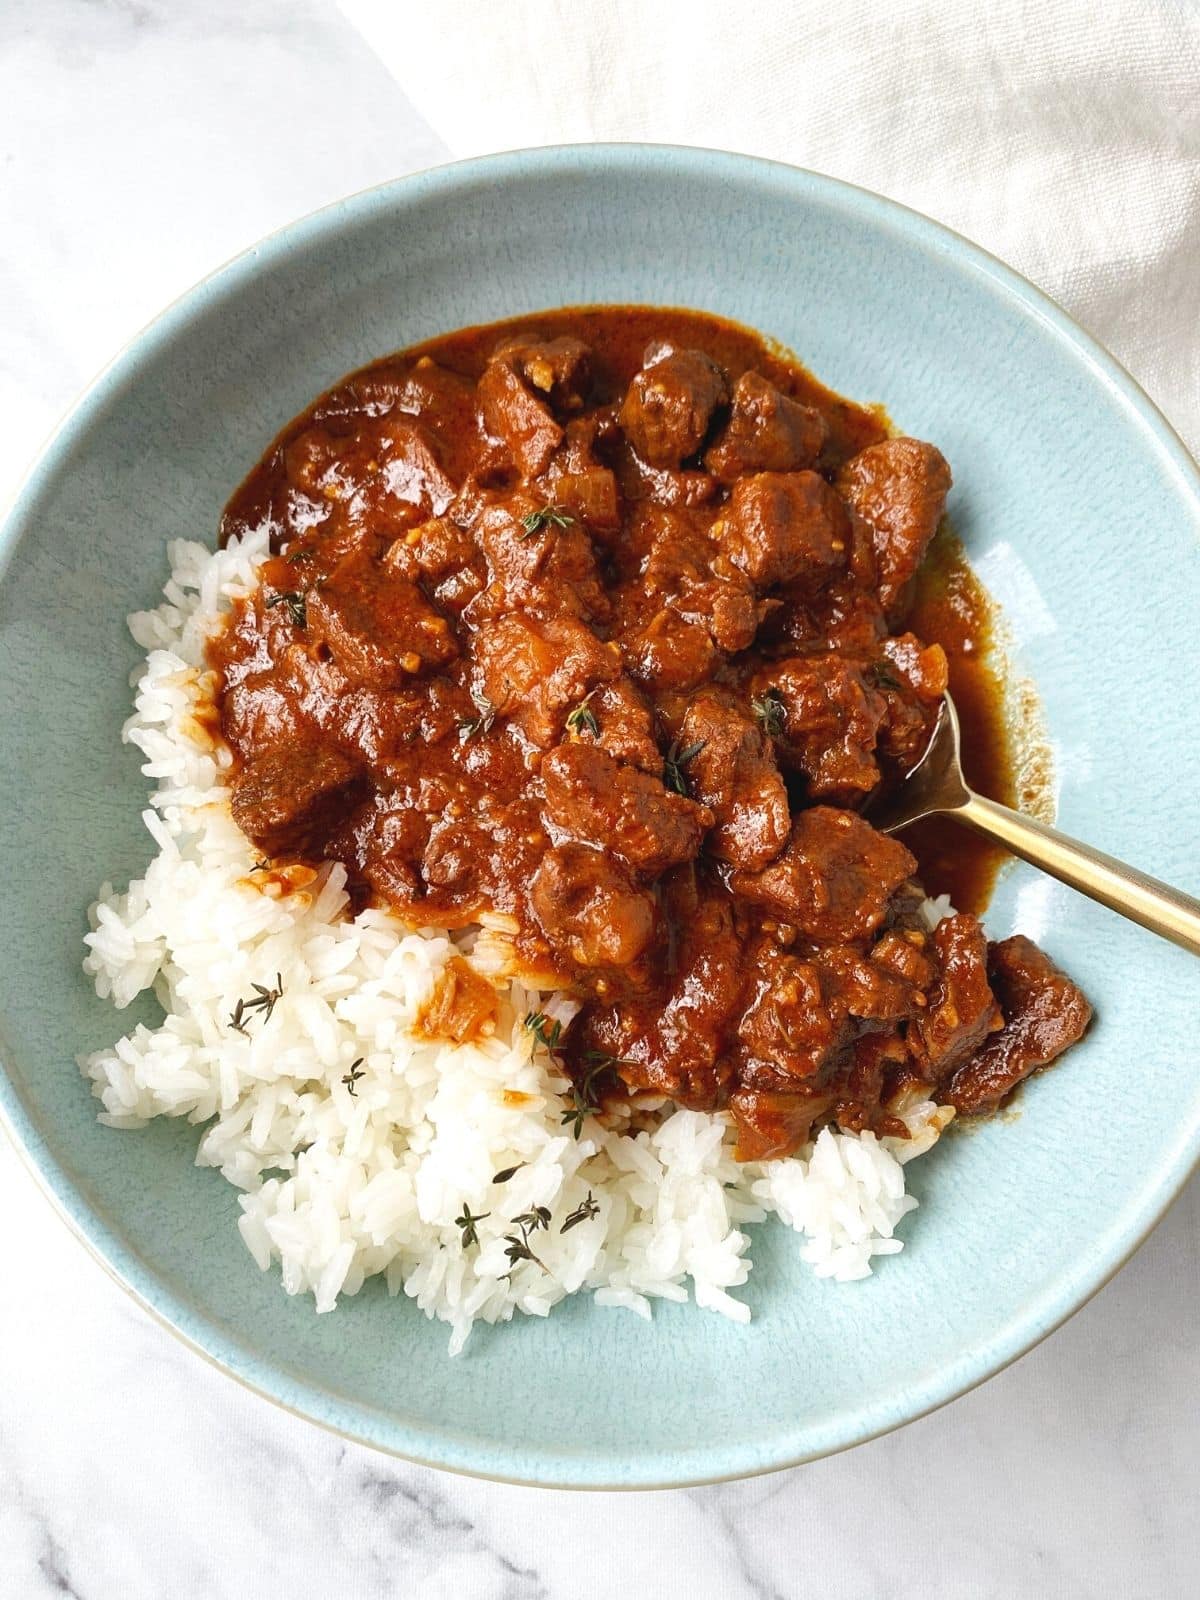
(344, 1179)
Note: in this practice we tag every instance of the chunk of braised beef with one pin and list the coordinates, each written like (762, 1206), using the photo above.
(683, 1052)
(455, 864)
(829, 715)
(409, 466)
(559, 368)
(538, 563)
(787, 1023)
(534, 671)
(766, 432)
(592, 797)
(390, 837)
(377, 724)
(733, 773)
(862, 1085)
(379, 627)
(443, 400)
(617, 718)
(431, 550)
(912, 678)
(442, 556)
(290, 794)
(857, 985)
(389, 457)
(841, 617)
(522, 419)
(1044, 1014)
(256, 712)
(676, 555)
(669, 652)
(590, 909)
(725, 607)
(962, 1009)
(587, 442)
(834, 879)
(676, 488)
(669, 405)
(899, 487)
(784, 528)
(906, 951)
(680, 591)
(771, 1123)
(923, 668)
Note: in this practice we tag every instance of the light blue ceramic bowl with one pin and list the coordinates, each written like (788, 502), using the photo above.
(1072, 494)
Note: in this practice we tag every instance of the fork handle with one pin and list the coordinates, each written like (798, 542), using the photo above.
(1157, 906)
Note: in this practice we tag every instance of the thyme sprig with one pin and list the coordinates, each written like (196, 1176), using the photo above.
(675, 760)
(597, 1060)
(770, 712)
(583, 718)
(261, 1003)
(577, 1113)
(468, 727)
(518, 1248)
(467, 1222)
(880, 674)
(544, 517)
(584, 1103)
(547, 1033)
(297, 608)
(351, 1079)
(583, 1212)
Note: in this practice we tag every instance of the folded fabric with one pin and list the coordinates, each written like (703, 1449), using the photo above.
(1064, 135)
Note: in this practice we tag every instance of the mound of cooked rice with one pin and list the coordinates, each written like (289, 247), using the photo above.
(363, 1147)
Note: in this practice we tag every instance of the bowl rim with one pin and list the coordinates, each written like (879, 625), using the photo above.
(362, 1424)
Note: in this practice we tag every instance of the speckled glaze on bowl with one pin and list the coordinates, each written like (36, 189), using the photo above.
(1077, 503)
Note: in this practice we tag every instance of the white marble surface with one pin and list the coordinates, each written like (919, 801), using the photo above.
(142, 142)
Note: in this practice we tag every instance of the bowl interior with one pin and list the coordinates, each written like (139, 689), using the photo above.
(1075, 503)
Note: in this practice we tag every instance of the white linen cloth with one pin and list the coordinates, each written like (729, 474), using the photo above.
(1063, 135)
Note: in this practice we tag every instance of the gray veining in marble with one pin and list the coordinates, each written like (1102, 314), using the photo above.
(141, 143)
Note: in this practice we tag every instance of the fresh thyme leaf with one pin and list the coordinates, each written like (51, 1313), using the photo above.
(583, 718)
(295, 557)
(263, 1000)
(576, 1115)
(351, 1079)
(528, 1222)
(508, 1172)
(770, 712)
(468, 727)
(518, 1250)
(296, 608)
(544, 516)
(674, 763)
(467, 1223)
(881, 675)
(583, 1212)
(583, 1099)
(597, 1060)
(546, 1033)
(531, 1221)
